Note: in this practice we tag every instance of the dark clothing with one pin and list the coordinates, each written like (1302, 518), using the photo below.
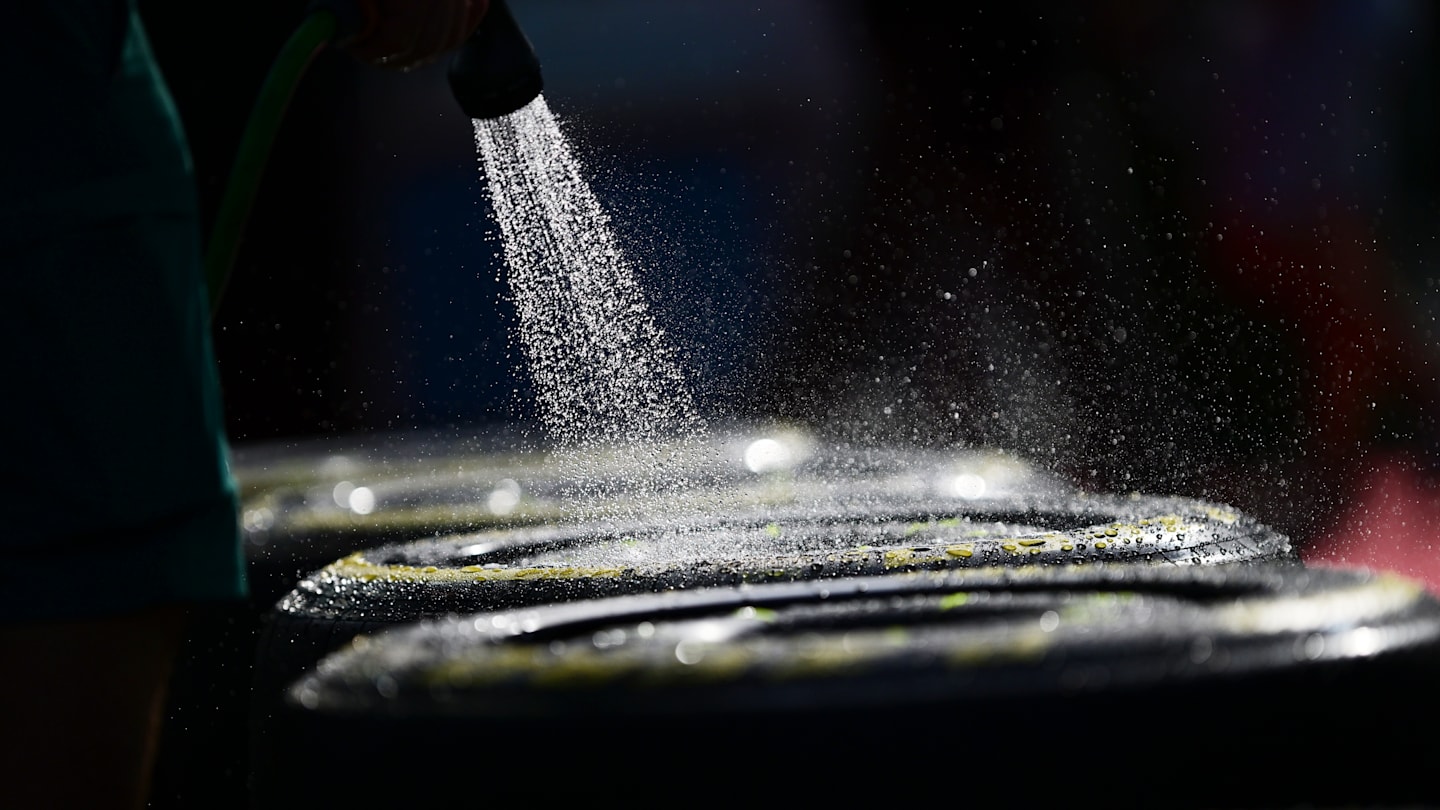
(114, 479)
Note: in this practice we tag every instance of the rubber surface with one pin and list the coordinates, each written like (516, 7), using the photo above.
(302, 507)
(511, 568)
(298, 515)
(1257, 685)
(462, 574)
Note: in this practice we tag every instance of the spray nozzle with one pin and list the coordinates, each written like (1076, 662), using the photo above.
(495, 72)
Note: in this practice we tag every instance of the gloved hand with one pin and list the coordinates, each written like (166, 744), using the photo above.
(406, 34)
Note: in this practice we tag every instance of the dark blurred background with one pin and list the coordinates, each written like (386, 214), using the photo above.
(1186, 248)
(1172, 247)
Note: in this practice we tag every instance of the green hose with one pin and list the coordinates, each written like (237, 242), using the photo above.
(304, 44)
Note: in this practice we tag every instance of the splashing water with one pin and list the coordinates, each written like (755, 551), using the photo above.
(605, 377)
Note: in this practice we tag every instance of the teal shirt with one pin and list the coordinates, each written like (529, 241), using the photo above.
(114, 481)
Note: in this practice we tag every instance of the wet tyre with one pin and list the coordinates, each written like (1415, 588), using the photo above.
(812, 504)
(498, 570)
(1255, 685)
(316, 503)
(305, 505)
(293, 524)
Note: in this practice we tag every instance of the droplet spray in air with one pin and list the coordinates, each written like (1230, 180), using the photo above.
(603, 368)
(604, 373)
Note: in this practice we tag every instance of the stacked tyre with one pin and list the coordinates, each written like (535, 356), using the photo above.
(975, 560)
(1237, 685)
(836, 499)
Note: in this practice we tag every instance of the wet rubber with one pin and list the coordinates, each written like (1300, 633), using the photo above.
(403, 583)
(298, 516)
(1238, 685)
(427, 487)
(400, 583)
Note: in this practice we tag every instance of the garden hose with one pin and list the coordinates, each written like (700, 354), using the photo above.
(308, 39)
